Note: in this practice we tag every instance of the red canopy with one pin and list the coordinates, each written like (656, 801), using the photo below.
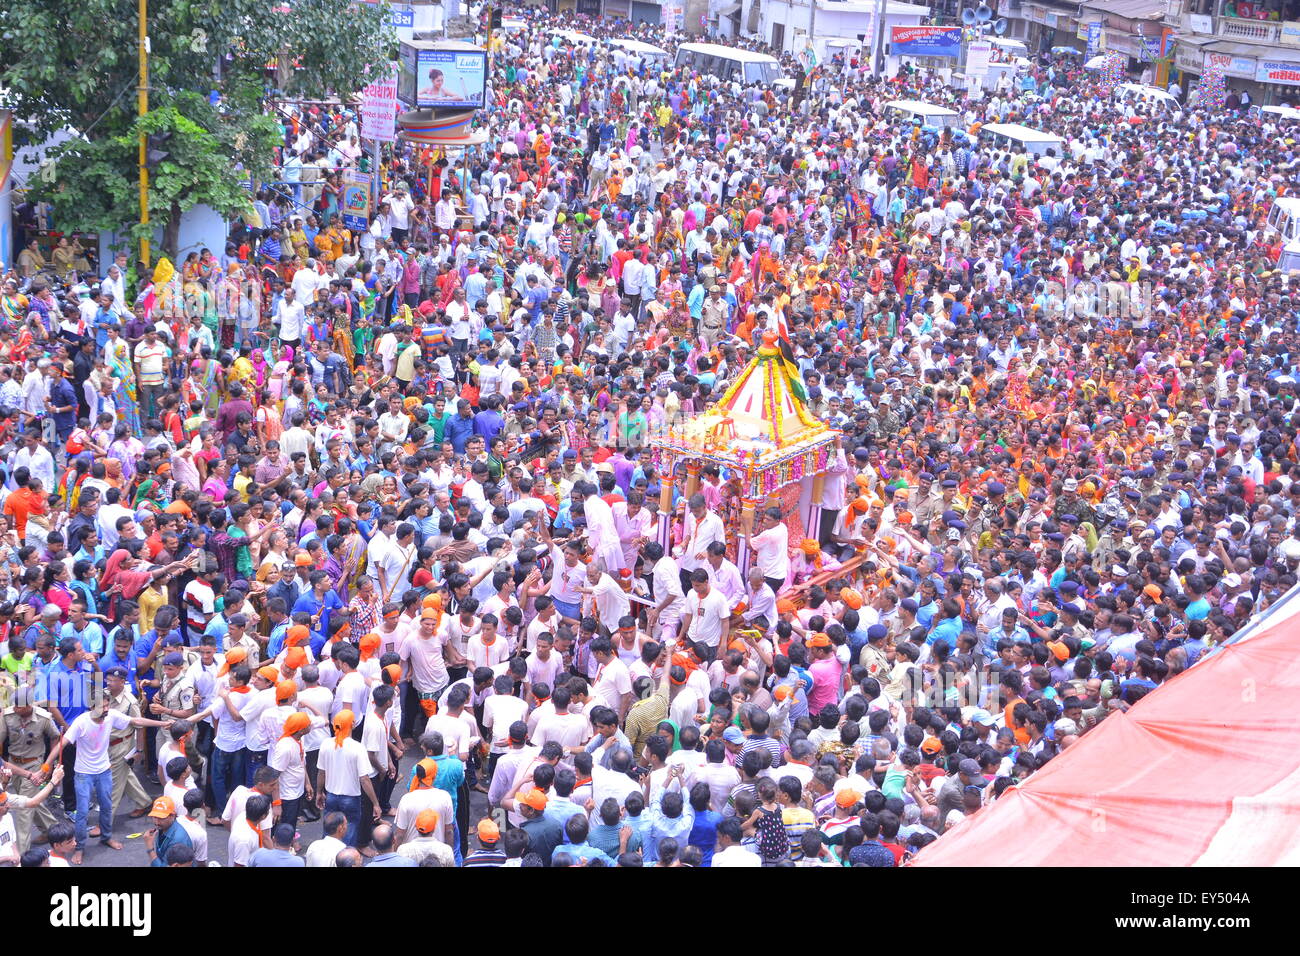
(1203, 771)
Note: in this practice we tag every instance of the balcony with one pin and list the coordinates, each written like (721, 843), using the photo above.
(1232, 28)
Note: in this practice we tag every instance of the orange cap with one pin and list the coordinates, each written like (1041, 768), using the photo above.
(285, 690)
(851, 597)
(426, 821)
(394, 672)
(931, 745)
(430, 614)
(303, 560)
(233, 656)
(163, 807)
(904, 517)
(269, 673)
(785, 606)
(846, 798)
(819, 640)
(534, 798)
(488, 831)
(782, 692)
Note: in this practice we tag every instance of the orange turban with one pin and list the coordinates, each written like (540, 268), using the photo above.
(369, 644)
(426, 771)
(294, 723)
(851, 597)
(343, 722)
(285, 690)
(394, 672)
(809, 547)
(295, 658)
(785, 606)
(298, 634)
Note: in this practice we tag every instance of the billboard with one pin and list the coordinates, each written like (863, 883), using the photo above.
(453, 79)
(356, 200)
(925, 41)
(1283, 74)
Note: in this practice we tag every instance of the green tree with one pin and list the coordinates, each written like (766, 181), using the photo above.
(72, 65)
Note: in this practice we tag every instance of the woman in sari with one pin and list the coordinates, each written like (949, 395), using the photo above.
(125, 397)
(250, 305)
(190, 270)
(148, 494)
(126, 575)
(127, 449)
(230, 290)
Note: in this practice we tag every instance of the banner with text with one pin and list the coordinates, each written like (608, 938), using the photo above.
(1283, 74)
(925, 41)
(379, 109)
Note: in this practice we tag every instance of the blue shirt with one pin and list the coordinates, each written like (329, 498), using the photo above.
(68, 689)
(174, 835)
(583, 851)
(109, 659)
(324, 606)
(91, 637)
(386, 859)
(458, 431)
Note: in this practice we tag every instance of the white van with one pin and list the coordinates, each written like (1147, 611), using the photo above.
(1138, 94)
(927, 113)
(1284, 218)
(574, 38)
(1279, 114)
(638, 48)
(729, 63)
(1020, 138)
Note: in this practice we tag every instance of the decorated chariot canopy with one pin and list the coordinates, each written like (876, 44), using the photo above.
(759, 430)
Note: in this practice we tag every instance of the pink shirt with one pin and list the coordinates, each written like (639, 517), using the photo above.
(826, 684)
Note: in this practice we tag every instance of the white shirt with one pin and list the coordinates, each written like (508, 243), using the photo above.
(773, 551)
(415, 802)
(612, 682)
(699, 535)
(344, 766)
(324, 851)
(290, 316)
(707, 615)
(91, 740)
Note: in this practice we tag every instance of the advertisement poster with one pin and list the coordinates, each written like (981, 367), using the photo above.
(356, 200)
(1094, 38)
(379, 109)
(452, 79)
(925, 41)
(977, 58)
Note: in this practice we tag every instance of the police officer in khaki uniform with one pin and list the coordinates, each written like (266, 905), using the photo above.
(874, 657)
(175, 697)
(125, 744)
(32, 745)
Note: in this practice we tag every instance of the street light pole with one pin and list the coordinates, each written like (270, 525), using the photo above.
(142, 108)
(877, 55)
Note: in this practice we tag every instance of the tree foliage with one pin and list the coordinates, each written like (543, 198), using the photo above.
(72, 65)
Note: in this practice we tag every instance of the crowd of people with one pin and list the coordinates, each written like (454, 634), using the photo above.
(350, 542)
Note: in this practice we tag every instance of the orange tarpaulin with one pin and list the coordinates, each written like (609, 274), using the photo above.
(1205, 770)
